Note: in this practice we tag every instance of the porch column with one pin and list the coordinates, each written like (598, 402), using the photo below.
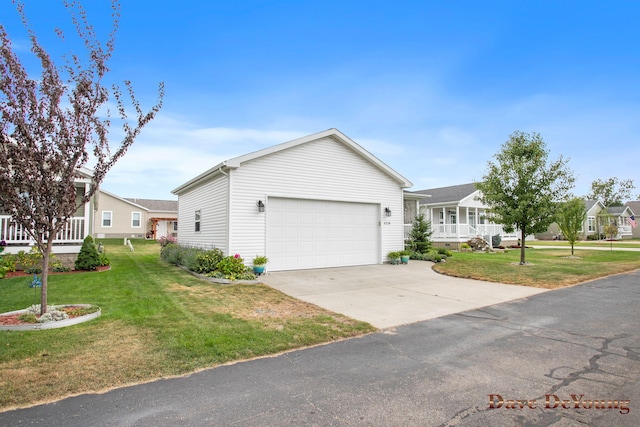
(87, 212)
(458, 222)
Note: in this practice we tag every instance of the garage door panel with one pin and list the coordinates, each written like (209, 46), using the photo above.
(318, 233)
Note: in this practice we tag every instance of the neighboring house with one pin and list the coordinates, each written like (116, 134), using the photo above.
(635, 209)
(69, 240)
(136, 218)
(456, 216)
(597, 217)
(318, 201)
(619, 215)
(590, 226)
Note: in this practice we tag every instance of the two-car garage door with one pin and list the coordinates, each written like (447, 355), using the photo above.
(319, 233)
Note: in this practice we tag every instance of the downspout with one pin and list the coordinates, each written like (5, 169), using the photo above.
(228, 221)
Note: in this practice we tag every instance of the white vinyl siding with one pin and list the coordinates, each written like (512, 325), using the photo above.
(322, 170)
(209, 198)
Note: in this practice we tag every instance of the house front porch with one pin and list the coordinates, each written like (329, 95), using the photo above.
(68, 240)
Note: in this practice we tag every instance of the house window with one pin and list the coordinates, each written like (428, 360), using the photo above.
(106, 218)
(441, 217)
(198, 221)
(591, 224)
(135, 219)
(175, 225)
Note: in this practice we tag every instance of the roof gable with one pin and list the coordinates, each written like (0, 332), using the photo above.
(156, 205)
(634, 206)
(333, 133)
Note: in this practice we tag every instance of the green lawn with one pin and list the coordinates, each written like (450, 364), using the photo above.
(548, 268)
(157, 321)
(632, 243)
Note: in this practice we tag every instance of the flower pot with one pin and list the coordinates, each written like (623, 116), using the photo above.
(394, 261)
(404, 259)
(258, 269)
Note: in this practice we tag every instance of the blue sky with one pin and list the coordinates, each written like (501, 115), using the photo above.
(431, 88)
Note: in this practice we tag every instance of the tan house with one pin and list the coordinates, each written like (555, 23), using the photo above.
(116, 216)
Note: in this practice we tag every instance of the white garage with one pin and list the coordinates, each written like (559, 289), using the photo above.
(318, 201)
(320, 233)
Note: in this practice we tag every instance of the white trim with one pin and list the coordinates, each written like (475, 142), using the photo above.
(139, 219)
(110, 219)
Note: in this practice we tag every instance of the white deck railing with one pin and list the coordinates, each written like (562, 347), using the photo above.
(12, 234)
(463, 231)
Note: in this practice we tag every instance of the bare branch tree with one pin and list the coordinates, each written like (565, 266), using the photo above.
(51, 126)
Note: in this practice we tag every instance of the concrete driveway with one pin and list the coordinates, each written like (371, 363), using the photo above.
(391, 295)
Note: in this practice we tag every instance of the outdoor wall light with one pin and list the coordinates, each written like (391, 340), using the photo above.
(387, 211)
(260, 206)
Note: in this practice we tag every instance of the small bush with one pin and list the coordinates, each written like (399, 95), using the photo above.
(446, 252)
(171, 253)
(88, 258)
(233, 268)
(496, 240)
(28, 318)
(207, 261)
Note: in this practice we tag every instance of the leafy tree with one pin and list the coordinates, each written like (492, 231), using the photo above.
(570, 218)
(50, 125)
(611, 191)
(611, 230)
(522, 189)
(419, 238)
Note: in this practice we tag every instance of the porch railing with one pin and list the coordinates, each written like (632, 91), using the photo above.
(13, 234)
(464, 231)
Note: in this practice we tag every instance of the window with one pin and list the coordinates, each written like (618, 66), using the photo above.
(106, 218)
(175, 225)
(198, 221)
(135, 219)
(591, 223)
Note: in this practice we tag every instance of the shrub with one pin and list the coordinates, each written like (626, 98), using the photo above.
(496, 240)
(88, 258)
(446, 252)
(232, 268)
(206, 261)
(30, 262)
(260, 260)
(171, 253)
(167, 240)
(433, 255)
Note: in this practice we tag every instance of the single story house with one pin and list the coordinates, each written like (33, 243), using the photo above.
(456, 215)
(597, 217)
(69, 240)
(116, 216)
(635, 209)
(318, 201)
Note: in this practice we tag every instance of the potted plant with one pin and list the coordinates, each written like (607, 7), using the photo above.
(258, 264)
(404, 256)
(394, 257)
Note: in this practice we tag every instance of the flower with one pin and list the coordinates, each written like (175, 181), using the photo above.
(236, 256)
(3, 243)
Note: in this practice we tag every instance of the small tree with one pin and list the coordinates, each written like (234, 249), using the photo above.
(51, 124)
(521, 189)
(419, 238)
(570, 218)
(611, 231)
(88, 258)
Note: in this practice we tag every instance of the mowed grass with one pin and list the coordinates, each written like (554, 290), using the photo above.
(632, 243)
(157, 321)
(547, 268)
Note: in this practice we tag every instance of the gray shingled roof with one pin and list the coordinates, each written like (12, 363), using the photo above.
(454, 193)
(156, 205)
(616, 210)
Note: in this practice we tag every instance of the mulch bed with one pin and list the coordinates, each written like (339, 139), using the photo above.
(12, 319)
(21, 273)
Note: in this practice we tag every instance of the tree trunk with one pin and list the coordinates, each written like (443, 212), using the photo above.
(522, 257)
(46, 254)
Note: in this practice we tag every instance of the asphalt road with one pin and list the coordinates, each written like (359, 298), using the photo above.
(554, 359)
